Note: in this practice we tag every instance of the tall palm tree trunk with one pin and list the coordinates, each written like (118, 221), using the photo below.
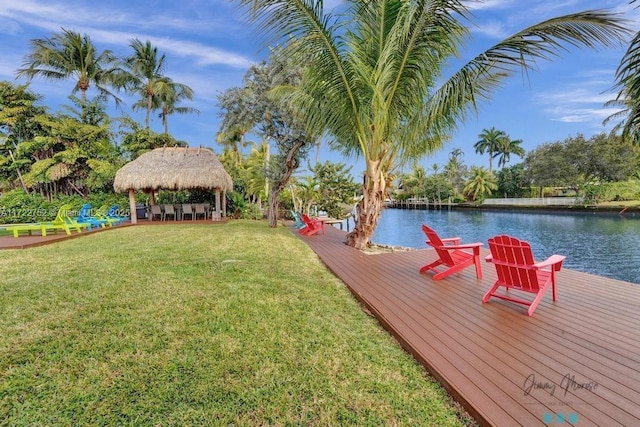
(369, 208)
(274, 194)
(24, 186)
(147, 119)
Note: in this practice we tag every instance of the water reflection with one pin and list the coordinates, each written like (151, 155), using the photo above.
(606, 245)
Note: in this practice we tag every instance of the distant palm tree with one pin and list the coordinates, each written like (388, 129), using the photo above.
(455, 170)
(413, 183)
(72, 55)
(256, 178)
(233, 142)
(169, 100)
(456, 153)
(490, 141)
(507, 148)
(481, 183)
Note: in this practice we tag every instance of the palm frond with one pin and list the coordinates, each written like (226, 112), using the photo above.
(303, 27)
(479, 78)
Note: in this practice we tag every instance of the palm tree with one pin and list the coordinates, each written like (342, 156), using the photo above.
(145, 77)
(374, 88)
(507, 148)
(490, 141)
(628, 84)
(455, 170)
(255, 167)
(481, 183)
(436, 169)
(72, 55)
(413, 182)
(233, 141)
(176, 92)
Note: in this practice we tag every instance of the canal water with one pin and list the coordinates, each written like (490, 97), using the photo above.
(603, 244)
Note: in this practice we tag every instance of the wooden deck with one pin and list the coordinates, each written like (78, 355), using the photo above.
(575, 362)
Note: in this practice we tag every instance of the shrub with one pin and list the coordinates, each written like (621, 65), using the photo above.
(18, 207)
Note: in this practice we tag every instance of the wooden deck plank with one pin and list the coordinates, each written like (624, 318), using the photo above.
(483, 354)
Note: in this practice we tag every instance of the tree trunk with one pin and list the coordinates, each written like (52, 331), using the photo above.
(368, 209)
(290, 166)
(147, 119)
(274, 206)
(24, 186)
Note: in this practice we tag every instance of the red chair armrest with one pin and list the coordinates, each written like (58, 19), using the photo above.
(475, 246)
(553, 260)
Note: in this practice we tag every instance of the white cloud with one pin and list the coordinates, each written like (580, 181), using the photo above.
(492, 29)
(585, 115)
(110, 27)
(490, 4)
(580, 102)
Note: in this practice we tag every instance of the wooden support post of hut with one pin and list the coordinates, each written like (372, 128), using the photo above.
(175, 169)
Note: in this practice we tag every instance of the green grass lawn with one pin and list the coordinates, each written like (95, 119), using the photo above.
(233, 324)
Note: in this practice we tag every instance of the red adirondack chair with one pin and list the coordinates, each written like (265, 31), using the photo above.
(312, 226)
(518, 270)
(451, 254)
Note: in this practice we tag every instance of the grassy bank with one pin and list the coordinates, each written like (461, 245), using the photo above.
(197, 325)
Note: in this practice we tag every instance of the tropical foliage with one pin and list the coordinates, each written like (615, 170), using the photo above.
(137, 140)
(512, 181)
(498, 144)
(418, 183)
(577, 161)
(144, 77)
(481, 183)
(70, 55)
(604, 162)
(374, 88)
(336, 188)
(489, 142)
(628, 98)
(455, 171)
(256, 106)
(77, 150)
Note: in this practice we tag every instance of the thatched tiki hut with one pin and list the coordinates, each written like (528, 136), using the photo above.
(174, 169)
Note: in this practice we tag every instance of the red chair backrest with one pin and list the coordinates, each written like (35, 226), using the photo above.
(513, 259)
(308, 222)
(434, 240)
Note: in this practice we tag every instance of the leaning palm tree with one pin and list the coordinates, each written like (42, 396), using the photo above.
(374, 69)
(490, 141)
(72, 55)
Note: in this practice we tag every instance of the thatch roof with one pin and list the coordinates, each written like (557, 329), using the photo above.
(174, 168)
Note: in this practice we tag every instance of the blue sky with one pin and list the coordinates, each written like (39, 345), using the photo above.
(209, 46)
